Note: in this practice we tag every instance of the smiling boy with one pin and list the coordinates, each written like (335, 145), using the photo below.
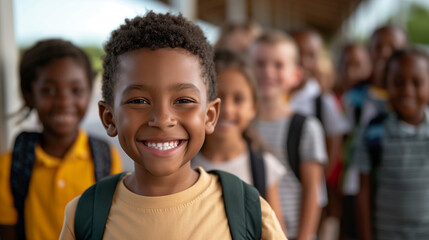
(160, 100)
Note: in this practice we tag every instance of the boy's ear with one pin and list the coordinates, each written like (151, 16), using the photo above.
(212, 114)
(106, 116)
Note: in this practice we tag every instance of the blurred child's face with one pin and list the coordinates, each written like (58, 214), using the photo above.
(356, 66)
(60, 95)
(408, 87)
(275, 68)
(238, 107)
(309, 49)
(382, 45)
(160, 111)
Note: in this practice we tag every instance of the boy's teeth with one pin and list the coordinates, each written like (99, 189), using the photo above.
(163, 145)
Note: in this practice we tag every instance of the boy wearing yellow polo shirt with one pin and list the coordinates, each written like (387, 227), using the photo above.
(160, 100)
(46, 170)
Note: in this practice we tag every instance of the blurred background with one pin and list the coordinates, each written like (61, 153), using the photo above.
(88, 24)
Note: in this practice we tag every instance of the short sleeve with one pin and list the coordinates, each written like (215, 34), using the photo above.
(275, 170)
(271, 228)
(360, 156)
(312, 146)
(67, 232)
(8, 214)
(334, 121)
(116, 161)
(369, 111)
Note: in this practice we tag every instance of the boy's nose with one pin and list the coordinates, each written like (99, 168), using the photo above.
(162, 117)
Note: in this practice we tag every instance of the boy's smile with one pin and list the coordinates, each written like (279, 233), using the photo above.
(160, 112)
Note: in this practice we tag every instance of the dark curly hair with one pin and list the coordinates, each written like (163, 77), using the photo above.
(42, 54)
(155, 31)
(401, 53)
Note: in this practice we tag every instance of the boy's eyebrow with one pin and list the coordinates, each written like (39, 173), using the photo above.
(177, 87)
(184, 86)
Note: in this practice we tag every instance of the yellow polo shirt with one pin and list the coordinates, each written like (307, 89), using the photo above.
(54, 182)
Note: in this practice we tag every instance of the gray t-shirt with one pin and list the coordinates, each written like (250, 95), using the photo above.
(312, 148)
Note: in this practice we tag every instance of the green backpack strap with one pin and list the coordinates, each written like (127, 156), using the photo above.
(242, 206)
(93, 208)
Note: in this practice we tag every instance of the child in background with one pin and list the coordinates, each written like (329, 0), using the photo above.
(238, 36)
(309, 99)
(46, 170)
(235, 145)
(159, 91)
(392, 156)
(384, 41)
(354, 69)
(302, 190)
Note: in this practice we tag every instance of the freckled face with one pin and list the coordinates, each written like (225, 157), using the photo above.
(408, 87)
(60, 95)
(160, 112)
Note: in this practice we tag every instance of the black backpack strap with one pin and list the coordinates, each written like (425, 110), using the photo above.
(373, 142)
(242, 206)
(93, 208)
(318, 108)
(293, 142)
(100, 152)
(258, 170)
(23, 158)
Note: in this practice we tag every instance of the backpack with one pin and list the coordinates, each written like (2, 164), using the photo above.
(293, 142)
(242, 206)
(23, 158)
(257, 166)
(292, 146)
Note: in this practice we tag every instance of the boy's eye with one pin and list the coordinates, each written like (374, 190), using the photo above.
(78, 91)
(138, 101)
(238, 99)
(48, 91)
(185, 100)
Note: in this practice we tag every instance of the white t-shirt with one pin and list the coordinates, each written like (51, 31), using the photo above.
(240, 166)
(303, 101)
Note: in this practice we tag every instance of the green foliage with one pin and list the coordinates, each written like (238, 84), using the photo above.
(95, 54)
(418, 24)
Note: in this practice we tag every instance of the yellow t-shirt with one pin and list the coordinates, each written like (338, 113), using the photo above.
(195, 213)
(54, 182)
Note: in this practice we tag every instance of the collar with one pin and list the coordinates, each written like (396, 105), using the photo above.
(79, 150)
(402, 129)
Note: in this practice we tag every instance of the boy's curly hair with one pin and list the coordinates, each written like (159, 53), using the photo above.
(155, 31)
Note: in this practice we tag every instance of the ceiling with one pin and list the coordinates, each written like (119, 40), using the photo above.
(326, 16)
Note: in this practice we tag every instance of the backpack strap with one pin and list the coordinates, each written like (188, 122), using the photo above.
(293, 142)
(93, 208)
(318, 108)
(242, 206)
(23, 158)
(373, 141)
(100, 152)
(258, 169)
